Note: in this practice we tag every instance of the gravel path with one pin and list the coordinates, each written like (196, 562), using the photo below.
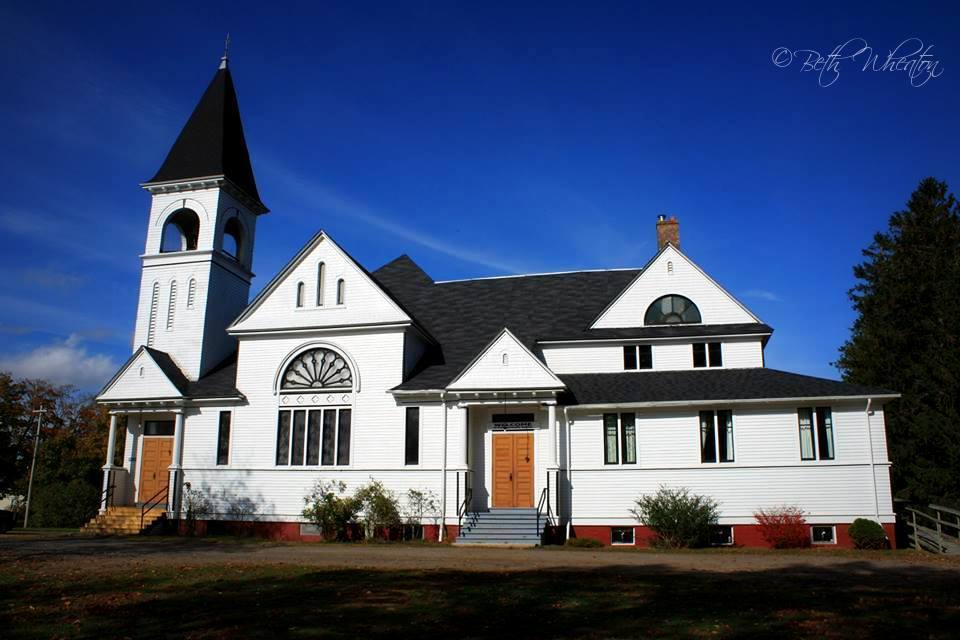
(76, 551)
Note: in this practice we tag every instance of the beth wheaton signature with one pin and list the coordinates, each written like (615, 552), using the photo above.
(910, 57)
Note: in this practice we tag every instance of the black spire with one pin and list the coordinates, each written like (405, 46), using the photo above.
(212, 142)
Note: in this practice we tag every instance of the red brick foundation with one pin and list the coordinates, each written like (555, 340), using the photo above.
(744, 535)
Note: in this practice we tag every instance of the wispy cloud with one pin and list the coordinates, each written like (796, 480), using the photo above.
(63, 362)
(50, 278)
(319, 197)
(761, 294)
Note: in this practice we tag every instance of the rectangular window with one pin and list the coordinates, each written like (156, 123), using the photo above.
(329, 436)
(715, 351)
(805, 418)
(722, 535)
(630, 357)
(628, 437)
(283, 438)
(725, 435)
(343, 438)
(708, 437)
(823, 534)
(621, 535)
(299, 437)
(610, 438)
(699, 354)
(825, 432)
(158, 427)
(223, 439)
(412, 437)
(313, 437)
(644, 356)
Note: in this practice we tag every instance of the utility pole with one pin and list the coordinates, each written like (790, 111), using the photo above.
(36, 444)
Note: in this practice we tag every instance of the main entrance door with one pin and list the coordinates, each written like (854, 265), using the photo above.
(512, 470)
(154, 464)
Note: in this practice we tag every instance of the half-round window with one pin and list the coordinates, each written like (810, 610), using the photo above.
(181, 232)
(318, 369)
(672, 309)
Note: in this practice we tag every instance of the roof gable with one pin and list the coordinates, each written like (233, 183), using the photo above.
(145, 376)
(506, 363)
(365, 301)
(672, 272)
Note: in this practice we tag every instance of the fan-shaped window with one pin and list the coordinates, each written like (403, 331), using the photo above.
(180, 232)
(317, 369)
(672, 309)
(233, 238)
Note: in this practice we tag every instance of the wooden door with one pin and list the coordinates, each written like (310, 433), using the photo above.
(154, 464)
(513, 480)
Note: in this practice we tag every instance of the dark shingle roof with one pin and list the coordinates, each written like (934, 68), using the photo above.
(219, 382)
(212, 141)
(169, 368)
(703, 384)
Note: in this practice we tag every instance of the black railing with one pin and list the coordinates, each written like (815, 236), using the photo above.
(160, 497)
(105, 499)
(544, 507)
(464, 505)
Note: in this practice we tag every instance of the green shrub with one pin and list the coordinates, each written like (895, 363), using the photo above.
(677, 517)
(328, 507)
(584, 543)
(378, 508)
(868, 534)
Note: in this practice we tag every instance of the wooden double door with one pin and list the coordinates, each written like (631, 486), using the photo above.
(155, 462)
(513, 470)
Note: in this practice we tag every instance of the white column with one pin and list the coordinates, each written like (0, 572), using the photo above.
(464, 437)
(552, 436)
(176, 464)
(108, 466)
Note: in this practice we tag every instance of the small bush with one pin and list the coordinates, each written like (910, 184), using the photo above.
(783, 527)
(422, 505)
(328, 507)
(868, 534)
(584, 543)
(378, 508)
(677, 517)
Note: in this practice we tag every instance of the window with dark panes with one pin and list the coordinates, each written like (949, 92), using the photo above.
(299, 435)
(699, 354)
(610, 438)
(816, 433)
(329, 442)
(707, 354)
(621, 535)
(412, 437)
(708, 437)
(223, 439)
(725, 435)
(313, 437)
(644, 356)
(283, 438)
(630, 357)
(628, 437)
(825, 433)
(805, 419)
(715, 353)
(823, 534)
(716, 436)
(722, 535)
(343, 437)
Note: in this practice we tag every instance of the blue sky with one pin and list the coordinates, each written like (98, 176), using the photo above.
(479, 138)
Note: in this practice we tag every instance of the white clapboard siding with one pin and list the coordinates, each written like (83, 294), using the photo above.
(667, 356)
(364, 302)
(506, 364)
(716, 305)
(141, 379)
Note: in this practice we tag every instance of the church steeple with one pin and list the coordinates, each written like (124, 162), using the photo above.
(212, 143)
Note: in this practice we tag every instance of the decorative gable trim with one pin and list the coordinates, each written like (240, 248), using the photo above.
(553, 382)
(669, 247)
(147, 357)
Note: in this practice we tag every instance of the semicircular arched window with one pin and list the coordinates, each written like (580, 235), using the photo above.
(318, 369)
(672, 309)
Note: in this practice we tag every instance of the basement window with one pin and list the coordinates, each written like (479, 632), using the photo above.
(722, 536)
(621, 535)
(823, 534)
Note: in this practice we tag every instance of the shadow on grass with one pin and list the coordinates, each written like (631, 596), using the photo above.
(852, 599)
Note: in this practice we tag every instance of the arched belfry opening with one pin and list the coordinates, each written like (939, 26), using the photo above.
(233, 238)
(181, 231)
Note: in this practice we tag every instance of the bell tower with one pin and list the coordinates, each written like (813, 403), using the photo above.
(197, 264)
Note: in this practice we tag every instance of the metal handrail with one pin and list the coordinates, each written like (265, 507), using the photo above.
(105, 498)
(464, 505)
(544, 499)
(155, 501)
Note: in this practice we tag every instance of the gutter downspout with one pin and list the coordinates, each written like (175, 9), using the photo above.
(566, 426)
(443, 471)
(873, 473)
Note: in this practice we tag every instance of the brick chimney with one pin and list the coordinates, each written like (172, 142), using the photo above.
(668, 231)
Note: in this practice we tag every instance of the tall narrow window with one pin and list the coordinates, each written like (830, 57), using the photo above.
(708, 437)
(825, 433)
(343, 437)
(610, 438)
(313, 437)
(283, 438)
(191, 293)
(223, 439)
(299, 437)
(329, 437)
(152, 321)
(715, 351)
(628, 437)
(805, 418)
(320, 285)
(411, 447)
(630, 357)
(299, 295)
(716, 436)
(725, 435)
(172, 305)
(341, 291)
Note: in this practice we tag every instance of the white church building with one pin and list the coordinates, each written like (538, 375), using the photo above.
(530, 406)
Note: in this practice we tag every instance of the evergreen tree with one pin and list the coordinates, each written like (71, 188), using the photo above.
(907, 338)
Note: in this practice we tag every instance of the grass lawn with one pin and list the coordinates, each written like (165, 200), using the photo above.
(45, 599)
